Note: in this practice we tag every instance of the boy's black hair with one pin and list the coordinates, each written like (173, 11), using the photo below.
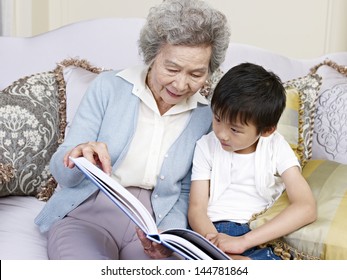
(249, 93)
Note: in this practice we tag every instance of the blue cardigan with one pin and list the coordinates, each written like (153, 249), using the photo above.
(108, 113)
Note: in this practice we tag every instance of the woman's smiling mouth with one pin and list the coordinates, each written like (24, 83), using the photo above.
(172, 94)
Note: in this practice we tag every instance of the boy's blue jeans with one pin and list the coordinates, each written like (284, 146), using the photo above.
(237, 229)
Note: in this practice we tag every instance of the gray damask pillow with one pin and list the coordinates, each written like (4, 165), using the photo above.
(29, 135)
(330, 124)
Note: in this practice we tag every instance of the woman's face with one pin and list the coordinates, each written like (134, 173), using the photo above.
(177, 73)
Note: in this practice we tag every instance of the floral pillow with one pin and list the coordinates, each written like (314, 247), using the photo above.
(29, 135)
(35, 113)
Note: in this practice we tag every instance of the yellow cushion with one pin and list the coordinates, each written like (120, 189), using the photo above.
(326, 237)
(296, 123)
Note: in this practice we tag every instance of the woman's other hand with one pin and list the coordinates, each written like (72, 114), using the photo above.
(153, 249)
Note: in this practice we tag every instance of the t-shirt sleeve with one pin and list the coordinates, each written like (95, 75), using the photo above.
(202, 161)
(286, 157)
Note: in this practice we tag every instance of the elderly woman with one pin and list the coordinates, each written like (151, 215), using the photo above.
(140, 126)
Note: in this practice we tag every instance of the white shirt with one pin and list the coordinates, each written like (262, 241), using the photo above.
(154, 135)
(234, 195)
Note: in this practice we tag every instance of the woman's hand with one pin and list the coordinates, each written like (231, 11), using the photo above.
(96, 152)
(153, 249)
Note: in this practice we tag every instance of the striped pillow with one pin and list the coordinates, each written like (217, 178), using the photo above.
(296, 123)
(326, 237)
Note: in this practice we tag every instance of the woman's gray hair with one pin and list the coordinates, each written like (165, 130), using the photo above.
(188, 23)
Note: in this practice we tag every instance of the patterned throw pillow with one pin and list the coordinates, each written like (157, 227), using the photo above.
(35, 113)
(297, 121)
(326, 237)
(330, 129)
(29, 135)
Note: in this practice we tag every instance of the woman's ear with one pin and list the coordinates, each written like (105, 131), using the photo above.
(268, 131)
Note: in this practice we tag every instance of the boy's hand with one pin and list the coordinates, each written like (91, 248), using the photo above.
(228, 244)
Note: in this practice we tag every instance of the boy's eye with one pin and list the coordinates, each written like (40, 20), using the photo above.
(234, 130)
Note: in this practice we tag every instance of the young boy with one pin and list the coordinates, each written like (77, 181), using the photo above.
(243, 166)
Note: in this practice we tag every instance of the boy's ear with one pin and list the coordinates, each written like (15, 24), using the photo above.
(268, 131)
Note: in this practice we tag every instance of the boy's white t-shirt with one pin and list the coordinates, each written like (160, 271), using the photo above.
(233, 192)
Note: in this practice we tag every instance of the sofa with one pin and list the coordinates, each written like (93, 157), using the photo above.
(44, 77)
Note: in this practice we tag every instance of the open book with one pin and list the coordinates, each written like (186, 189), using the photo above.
(187, 243)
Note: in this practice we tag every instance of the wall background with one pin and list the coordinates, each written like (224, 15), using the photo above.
(295, 28)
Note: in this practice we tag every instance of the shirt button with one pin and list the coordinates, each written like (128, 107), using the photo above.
(162, 177)
(159, 215)
(156, 196)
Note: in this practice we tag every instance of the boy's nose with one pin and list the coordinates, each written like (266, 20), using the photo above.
(223, 136)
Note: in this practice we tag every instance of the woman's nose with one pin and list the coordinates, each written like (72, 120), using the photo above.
(181, 82)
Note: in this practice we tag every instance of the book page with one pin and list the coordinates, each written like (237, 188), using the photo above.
(183, 247)
(127, 202)
(199, 243)
(189, 244)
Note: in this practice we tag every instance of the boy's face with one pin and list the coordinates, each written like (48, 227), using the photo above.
(236, 137)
